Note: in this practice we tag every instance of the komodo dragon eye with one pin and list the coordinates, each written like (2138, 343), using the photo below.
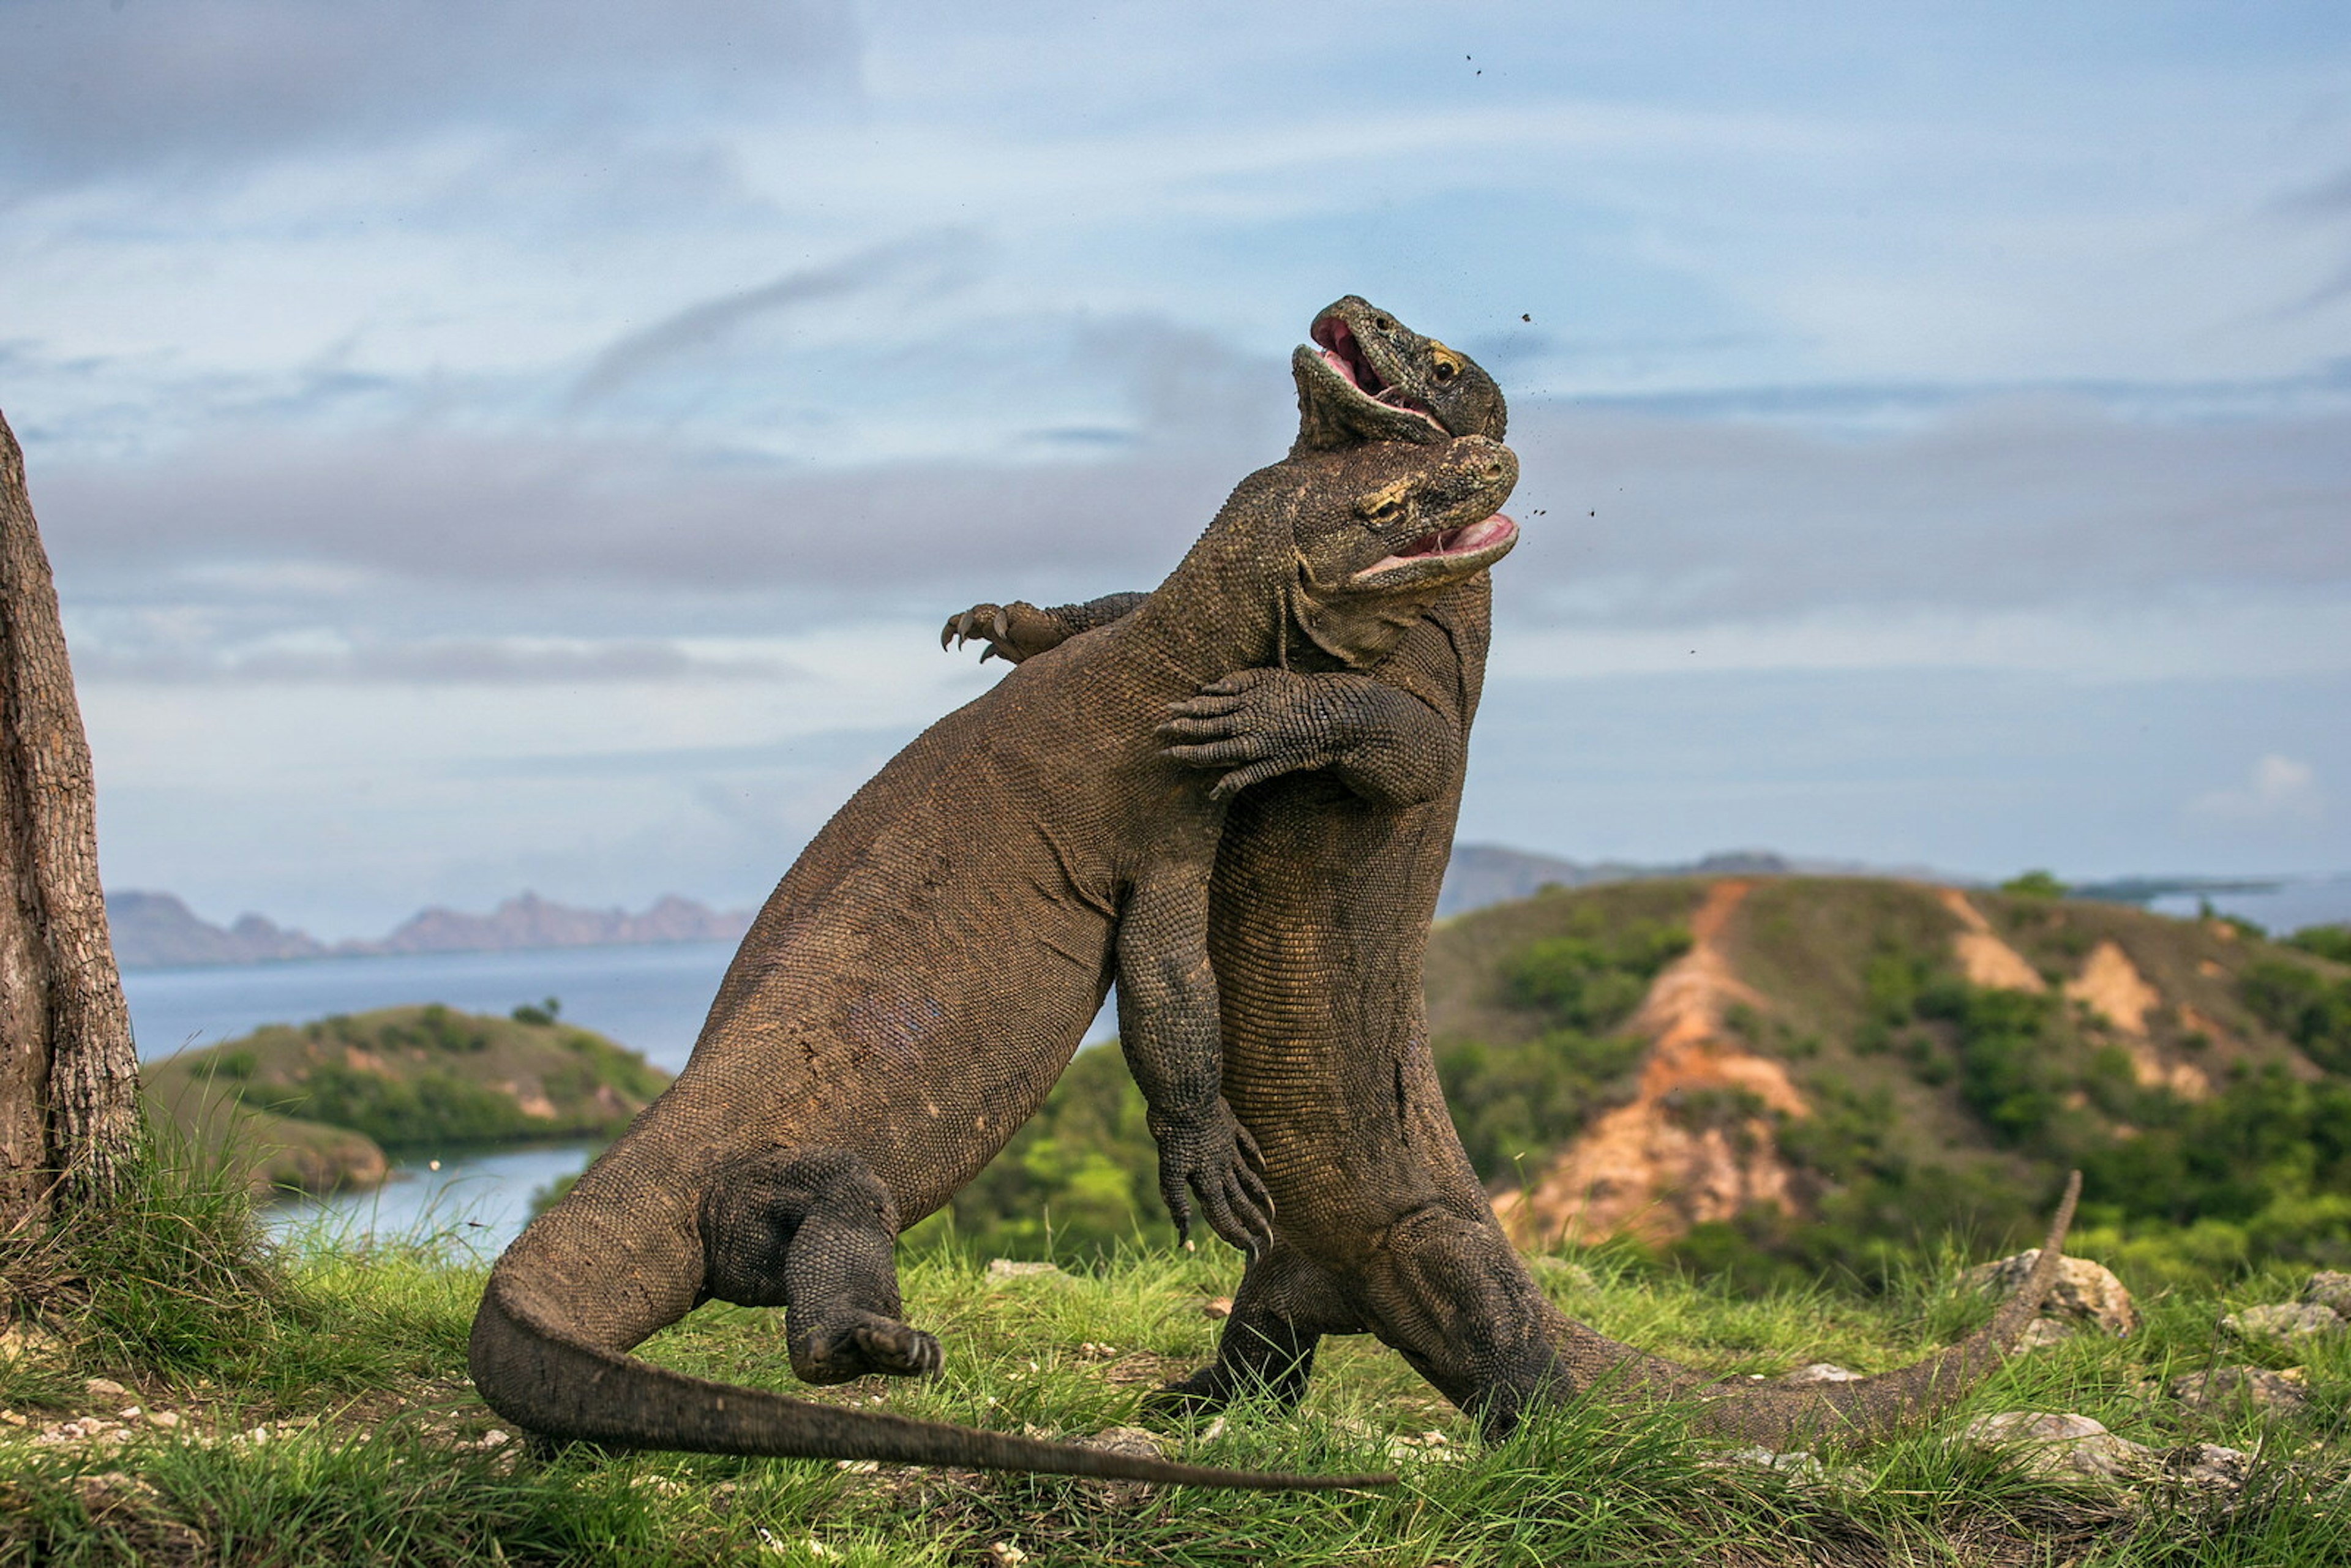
(1381, 507)
(1449, 363)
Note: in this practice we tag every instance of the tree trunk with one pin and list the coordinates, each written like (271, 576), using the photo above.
(68, 1073)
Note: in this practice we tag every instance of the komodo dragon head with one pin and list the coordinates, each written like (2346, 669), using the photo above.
(1371, 558)
(1369, 377)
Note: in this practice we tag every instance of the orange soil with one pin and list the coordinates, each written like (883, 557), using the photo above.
(1636, 1169)
(1987, 960)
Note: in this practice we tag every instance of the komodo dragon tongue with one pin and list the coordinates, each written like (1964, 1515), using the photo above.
(551, 1384)
(1872, 1407)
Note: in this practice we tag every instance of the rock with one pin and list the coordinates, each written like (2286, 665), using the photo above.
(1133, 1441)
(2062, 1447)
(2043, 1333)
(1561, 1273)
(105, 1388)
(1216, 1306)
(1796, 1463)
(2284, 1322)
(29, 1343)
(2330, 1289)
(2225, 1387)
(2208, 1465)
(1818, 1372)
(1015, 1268)
(2085, 1291)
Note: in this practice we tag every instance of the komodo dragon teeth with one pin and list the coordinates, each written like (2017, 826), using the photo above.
(1326, 881)
(918, 981)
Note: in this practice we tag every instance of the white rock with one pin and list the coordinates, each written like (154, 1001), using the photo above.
(2085, 1291)
(1560, 1273)
(2209, 1465)
(2062, 1447)
(1016, 1269)
(2225, 1387)
(2283, 1321)
(2330, 1289)
(1819, 1372)
(1795, 1462)
(105, 1388)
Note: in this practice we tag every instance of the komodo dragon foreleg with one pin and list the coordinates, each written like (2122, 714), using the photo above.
(1168, 1029)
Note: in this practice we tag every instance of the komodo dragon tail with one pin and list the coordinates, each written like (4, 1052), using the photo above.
(1872, 1407)
(552, 1384)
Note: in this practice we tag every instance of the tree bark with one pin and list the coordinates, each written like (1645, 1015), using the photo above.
(68, 1071)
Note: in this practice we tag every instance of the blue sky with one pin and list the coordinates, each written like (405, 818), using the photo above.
(533, 445)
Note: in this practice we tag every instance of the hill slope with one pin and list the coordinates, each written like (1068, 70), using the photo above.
(1788, 1075)
(1824, 1065)
(314, 1106)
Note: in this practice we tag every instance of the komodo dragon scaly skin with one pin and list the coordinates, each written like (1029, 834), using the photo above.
(922, 976)
(1326, 882)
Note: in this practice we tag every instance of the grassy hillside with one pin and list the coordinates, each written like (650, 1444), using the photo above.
(318, 1105)
(1921, 1106)
(315, 1410)
(1952, 1057)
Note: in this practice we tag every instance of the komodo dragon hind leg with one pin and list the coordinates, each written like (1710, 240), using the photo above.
(814, 1231)
(1284, 1306)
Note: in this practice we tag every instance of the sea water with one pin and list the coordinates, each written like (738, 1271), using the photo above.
(651, 998)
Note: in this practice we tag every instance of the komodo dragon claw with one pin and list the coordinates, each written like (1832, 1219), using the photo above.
(1012, 631)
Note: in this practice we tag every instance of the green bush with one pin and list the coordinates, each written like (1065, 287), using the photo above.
(1591, 979)
(2326, 941)
(2306, 1006)
(426, 1109)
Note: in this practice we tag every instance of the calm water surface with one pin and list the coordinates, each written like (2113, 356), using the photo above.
(650, 998)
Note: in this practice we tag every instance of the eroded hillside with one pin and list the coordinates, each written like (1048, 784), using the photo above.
(1823, 1065)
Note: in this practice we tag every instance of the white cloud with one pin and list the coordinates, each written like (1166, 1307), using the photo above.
(2279, 790)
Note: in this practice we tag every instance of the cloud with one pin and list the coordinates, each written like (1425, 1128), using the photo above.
(430, 661)
(2015, 505)
(2279, 790)
(934, 258)
(89, 89)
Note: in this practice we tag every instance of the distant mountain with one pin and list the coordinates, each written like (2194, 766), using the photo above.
(1483, 874)
(156, 931)
(531, 921)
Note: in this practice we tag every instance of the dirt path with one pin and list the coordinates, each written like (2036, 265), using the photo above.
(1693, 1146)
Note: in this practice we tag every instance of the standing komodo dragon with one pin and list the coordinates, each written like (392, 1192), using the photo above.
(920, 979)
(1326, 881)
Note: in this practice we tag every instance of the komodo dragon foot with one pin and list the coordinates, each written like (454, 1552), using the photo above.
(812, 1230)
(1011, 631)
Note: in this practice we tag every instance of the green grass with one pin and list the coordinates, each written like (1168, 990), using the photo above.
(361, 1355)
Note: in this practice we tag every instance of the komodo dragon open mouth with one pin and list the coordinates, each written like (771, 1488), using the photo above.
(1470, 546)
(1344, 354)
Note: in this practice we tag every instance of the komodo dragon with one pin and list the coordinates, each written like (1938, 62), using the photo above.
(1326, 881)
(920, 979)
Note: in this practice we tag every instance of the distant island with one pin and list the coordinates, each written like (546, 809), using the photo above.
(158, 931)
(1480, 876)
(323, 1106)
